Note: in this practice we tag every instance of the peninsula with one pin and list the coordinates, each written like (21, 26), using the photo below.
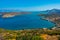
(53, 16)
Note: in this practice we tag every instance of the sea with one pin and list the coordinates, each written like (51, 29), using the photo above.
(25, 21)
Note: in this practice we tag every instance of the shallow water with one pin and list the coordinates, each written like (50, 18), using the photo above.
(26, 21)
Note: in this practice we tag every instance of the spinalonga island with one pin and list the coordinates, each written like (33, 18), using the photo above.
(12, 14)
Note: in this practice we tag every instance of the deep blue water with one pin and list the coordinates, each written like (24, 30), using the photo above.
(26, 21)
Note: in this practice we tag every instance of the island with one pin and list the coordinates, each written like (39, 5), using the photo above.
(12, 14)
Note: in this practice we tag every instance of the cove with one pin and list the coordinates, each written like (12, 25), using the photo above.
(26, 21)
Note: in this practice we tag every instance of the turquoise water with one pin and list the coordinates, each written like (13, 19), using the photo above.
(25, 21)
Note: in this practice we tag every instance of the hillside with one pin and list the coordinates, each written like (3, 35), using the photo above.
(53, 16)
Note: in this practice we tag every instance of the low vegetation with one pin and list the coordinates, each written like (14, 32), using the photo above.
(30, 34)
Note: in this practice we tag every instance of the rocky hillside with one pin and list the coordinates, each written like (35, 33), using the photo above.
(53, 16)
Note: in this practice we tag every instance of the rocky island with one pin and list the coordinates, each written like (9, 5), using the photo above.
(12, 14)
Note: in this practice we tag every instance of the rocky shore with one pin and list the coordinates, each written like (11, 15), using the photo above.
(54, 18)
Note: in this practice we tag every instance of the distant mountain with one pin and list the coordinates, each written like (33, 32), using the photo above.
(10, 10)
(42, 12)
(53, 11)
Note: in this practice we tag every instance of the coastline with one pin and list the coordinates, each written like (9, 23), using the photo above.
(49, 21)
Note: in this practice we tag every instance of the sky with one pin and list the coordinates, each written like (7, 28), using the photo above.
(30, 5)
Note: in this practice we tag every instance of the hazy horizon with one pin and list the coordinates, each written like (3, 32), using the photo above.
(30, 5)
